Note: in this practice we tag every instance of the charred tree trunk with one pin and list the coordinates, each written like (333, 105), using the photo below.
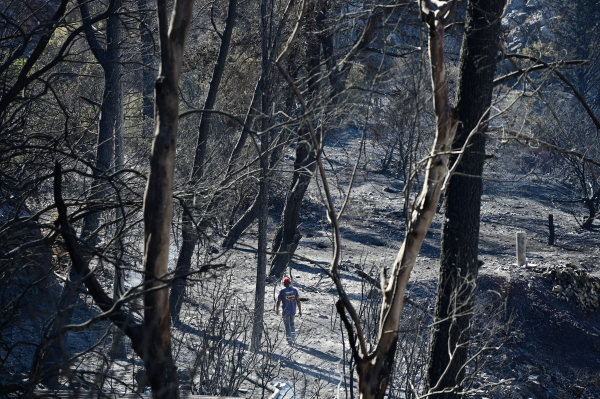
(236, 231)
(109, 59)
(448, 348)
(287, 235)
(263, 192)
(591, 204)
(109, 128)
(158, 207)
(189, 234)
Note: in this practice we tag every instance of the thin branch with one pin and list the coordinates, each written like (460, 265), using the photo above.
(333, 272)
(538, 67)
(212, 21)
(541, 143)
(562, 77)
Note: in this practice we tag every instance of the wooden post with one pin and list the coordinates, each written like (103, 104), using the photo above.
(551, 229)
(521, 251)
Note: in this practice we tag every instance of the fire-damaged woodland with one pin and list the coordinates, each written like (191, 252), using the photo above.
(164, 164)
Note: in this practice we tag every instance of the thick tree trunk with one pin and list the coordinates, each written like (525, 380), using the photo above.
(287, 235)
(110, 110)
(460, 234)
(189, 238)
(590, 205)
(189, 233)
(158, 207)
(109, 113)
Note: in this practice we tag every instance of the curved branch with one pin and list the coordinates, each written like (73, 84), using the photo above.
(333, 271)
(121, 319)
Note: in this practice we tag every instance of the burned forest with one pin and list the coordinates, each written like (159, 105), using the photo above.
(312, 199)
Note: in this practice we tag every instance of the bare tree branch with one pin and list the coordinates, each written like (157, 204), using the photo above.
(121, 319)
(533, 140)
(539, 67)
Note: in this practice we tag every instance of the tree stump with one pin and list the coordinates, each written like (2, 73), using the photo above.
(551, 229)
(521, 250)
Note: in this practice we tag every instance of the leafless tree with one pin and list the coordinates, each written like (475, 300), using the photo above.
(374, 367)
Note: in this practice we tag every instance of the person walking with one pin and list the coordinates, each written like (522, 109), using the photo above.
(290, 299)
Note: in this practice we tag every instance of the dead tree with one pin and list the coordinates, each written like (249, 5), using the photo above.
(151, 340)
(158, 198)
(374, 368)
(287, 235)
(450, 333)
(318, 36)
(108, 57)
(110, 137)
(189, 233)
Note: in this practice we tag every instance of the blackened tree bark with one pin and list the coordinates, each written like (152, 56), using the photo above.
(287, 235)
(158, 198)
(109, 60)
(460, 235)
(189, 234)
(263, 191)
(147, 52)
(110, 137)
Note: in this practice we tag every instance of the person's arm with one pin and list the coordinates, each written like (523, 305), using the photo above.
(277, 307)
(299, 306)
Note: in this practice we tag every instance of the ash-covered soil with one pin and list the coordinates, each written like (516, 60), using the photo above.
(549, 348)
(531, 345)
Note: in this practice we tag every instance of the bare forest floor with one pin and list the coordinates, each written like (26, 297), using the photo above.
(537, 346)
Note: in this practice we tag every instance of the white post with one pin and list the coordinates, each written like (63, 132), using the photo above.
(521, 251)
